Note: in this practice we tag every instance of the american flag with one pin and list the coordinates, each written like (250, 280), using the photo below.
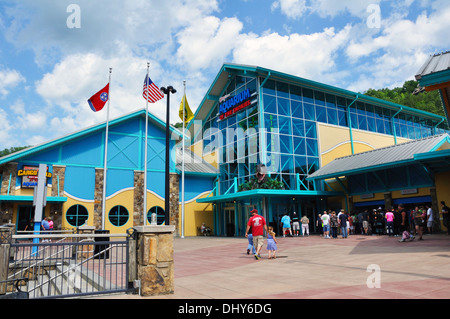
(151, 92)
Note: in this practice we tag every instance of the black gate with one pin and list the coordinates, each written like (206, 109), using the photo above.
(77, 265)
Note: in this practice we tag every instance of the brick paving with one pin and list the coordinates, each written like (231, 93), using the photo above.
(311, 268)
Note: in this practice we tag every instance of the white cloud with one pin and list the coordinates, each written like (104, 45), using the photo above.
(32, 121)
(293, 9)
(9, 79)
(7, 138)
(207, 42)
(332, 8)
(297, 54)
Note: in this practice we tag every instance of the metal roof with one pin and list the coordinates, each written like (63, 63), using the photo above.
(194, 163)
(380, 158)
(436, 63)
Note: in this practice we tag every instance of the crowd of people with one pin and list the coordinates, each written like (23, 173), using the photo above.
(395, 222)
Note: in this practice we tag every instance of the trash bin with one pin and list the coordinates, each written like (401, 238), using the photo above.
(100, 247)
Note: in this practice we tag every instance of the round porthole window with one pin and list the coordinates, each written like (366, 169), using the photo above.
(77, 215)
(160, 215)
(118, 215)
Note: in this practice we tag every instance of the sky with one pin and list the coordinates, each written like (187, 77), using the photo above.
(55, 54)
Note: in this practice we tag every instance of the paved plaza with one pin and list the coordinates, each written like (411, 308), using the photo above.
(359, 267)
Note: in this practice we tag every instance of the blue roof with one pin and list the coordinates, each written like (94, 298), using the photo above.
(84, 132)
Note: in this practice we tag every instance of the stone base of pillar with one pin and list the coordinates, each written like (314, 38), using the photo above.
(155, 265)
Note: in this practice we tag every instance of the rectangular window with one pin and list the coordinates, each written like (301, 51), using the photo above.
(308, 96)
(298, 127)
(342, 117)
(282, 90)
(270, 105)
(310, 129)
(319, 98)
(296, 93)
(321, 114)
(284, 124)
(299, 146)
(283, 107)
(297, 109)
(269, 88)
(310, 112)
(332, 116)
(311, 147)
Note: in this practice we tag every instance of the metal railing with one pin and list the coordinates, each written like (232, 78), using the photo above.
(70, 265)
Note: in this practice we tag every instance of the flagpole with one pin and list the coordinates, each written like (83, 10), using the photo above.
(182, 165)
(146, 151)
(105, 163)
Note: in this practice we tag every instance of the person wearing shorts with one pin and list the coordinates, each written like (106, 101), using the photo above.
(258, 225)
(326, 225)
(295, 224)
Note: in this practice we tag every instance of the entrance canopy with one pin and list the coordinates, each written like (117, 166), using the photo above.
(264, 193)
(395, 167)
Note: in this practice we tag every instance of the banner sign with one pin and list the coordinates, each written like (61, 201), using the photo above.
(29, 176)
(235, 104)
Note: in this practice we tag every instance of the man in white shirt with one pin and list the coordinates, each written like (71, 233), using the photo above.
(326, 225)
(429, 219)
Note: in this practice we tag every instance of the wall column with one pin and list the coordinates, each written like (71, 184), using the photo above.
(154, 259)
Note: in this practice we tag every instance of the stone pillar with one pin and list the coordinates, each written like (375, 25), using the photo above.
(59, 173)
(174, 202)
(5, 244)
(56, 209)
(155, 265)
(98, 198)
(9, 170)
(85, 251)
(138, 200)
(388, 200)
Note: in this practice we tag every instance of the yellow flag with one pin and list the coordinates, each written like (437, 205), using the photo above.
(188, 115)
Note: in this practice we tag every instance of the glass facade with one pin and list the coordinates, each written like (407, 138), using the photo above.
(289, 123)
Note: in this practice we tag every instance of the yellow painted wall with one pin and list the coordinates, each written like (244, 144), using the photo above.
(442, 191)
(420, 192)
(334, 142)
(89, 205)
(195, 215)
(126, 200)
(377, 196)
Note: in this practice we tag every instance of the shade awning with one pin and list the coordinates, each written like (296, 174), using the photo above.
(383, 158)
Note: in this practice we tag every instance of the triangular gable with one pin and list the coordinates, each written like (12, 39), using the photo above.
(49, 145)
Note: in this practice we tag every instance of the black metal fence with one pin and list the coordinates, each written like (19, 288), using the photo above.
(69, 265)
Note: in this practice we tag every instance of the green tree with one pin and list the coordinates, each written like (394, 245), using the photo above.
(425, 101)
(11, 150)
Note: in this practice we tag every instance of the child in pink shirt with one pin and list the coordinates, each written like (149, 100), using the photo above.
(390, 223)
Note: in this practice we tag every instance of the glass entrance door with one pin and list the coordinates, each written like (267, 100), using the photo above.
(230, 226)
(24, 216)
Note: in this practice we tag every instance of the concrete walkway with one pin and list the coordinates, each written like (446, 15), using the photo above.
(359, 267)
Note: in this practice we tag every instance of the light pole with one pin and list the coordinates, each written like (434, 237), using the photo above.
(167, 91)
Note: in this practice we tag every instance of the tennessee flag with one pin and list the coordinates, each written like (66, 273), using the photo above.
(188, 115)
(98, 100)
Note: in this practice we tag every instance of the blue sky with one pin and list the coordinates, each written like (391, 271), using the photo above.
(54, 57)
